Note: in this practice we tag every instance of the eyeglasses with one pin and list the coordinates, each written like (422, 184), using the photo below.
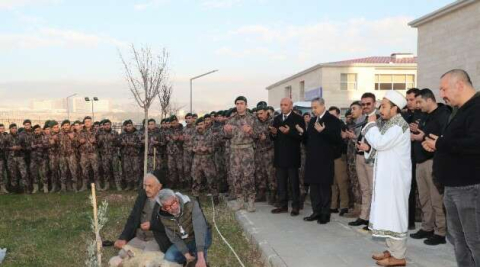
(169, 207)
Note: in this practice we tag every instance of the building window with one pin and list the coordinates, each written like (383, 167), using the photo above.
(394, 81)
(348, 81)
(288, 92)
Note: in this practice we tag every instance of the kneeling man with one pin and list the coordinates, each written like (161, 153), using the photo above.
(186, 227)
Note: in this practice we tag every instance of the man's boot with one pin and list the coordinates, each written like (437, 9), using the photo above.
(239, 203)
(251, 205)
(84, 186)
(129, 186)
(3, 190)
(54, 188)
(63, 188)
(119, 186)
(261, 195)
(75, 187)
(35, 188)
(98, 186)
(107, 186)
(45, 188)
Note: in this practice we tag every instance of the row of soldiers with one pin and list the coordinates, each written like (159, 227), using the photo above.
(67, 156)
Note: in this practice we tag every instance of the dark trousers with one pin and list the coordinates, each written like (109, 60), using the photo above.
(463, 219)
(321, 197)
(288, 177)
(412, 198)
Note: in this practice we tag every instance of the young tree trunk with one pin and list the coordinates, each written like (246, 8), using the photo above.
(145, 156)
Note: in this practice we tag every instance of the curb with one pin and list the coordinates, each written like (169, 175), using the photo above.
(269, 256)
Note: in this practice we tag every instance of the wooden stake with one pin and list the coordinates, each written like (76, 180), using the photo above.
(95, 220)
(154, 157)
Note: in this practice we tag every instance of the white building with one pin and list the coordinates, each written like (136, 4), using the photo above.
(449, 38)
(341, 83)
(80, 105)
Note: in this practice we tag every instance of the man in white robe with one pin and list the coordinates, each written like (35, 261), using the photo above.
(390, 145)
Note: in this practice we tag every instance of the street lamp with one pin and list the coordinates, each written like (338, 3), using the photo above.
(92, 100)
(196, 77)
(68, 106)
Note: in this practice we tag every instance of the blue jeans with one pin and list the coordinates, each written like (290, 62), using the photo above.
(463, 219)
(175, 255)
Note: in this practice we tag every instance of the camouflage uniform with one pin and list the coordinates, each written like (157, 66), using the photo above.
(175, 155)
(264, 169)
(68, 160)
(162, 149)
(154, 142)
(3, 175)
(301, 176)
(88, 154)
(203, 162)
(188, 133)
(220, 154)
(38, 162)
(108, 144)
(354, 186)
(130, 151)
(54, 157)
(242, 161)
(27, 136)
(16, 160)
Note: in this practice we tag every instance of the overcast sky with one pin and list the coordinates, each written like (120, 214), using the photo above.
(53, 48)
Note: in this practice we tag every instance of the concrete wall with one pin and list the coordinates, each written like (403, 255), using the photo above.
(329, 79)
(448, 42)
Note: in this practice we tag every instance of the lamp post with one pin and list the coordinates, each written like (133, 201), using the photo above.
(92, 100)
(68, 106)
(191, 80)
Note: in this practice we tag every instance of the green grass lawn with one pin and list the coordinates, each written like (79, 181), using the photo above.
(52, 229)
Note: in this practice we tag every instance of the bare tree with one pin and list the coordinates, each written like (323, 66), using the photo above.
(146, 74)
(164, 97)
(174, 108)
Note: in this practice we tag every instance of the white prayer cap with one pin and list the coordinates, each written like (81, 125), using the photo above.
(397, 98)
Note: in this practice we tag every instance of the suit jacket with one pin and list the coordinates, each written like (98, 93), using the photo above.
(321, 146)
(287, 146)
(156, 226)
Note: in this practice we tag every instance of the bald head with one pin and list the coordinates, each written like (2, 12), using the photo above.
(286, 105)
(456, 87)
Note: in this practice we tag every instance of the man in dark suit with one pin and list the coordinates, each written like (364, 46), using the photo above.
(287, 138)
(143, 229)
(322, 137)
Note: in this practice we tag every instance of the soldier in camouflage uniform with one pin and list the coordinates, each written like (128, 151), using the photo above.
(163, 146)
(130, 151)
(27, 135)
(88, 154)
(231, 194)
(68, 161)
(154, 143)
(38, 162)
(54, 156)
(240, 130)
(264, 170)
(220, 151)
(15, 145)
(174, 151)
(303, 156)
(203, 159)
(3, 175)
(108, 145)
(188, 133)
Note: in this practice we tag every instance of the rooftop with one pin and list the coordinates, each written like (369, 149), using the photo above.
(395, 58)
(442, 11)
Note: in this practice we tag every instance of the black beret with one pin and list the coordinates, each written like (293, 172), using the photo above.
(12, 125)
(188, 115)
(36, 126)
(125, 123)
(240, 98)
(65, 122)
(52, 123)
(206, 116)
(261, 104)
(106, 121)
(173, 118)
(201, 119)
(27, 121)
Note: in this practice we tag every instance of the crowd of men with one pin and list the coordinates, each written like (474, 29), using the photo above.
(262, 155)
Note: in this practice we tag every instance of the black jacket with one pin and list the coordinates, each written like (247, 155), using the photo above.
(432, 123)
(457, 159)
(156, 226)
(287, 146)
(321, 147)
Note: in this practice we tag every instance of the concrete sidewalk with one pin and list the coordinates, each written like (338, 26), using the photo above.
(289, 241)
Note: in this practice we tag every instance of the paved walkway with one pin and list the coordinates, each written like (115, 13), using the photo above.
(289, 241)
